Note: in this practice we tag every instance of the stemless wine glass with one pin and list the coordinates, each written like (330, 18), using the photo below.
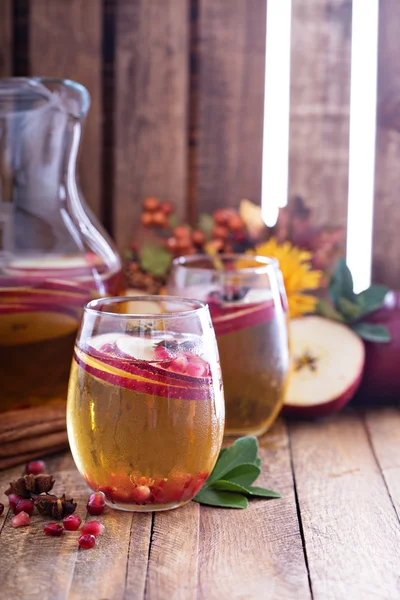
(145, 411)
(247, 301)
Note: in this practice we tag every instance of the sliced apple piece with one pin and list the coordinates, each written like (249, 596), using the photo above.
(130, 346)
(327, 366)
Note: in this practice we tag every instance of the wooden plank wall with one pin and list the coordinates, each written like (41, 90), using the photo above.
(177, 97)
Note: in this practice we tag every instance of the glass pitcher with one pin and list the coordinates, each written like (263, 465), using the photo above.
(54, 255)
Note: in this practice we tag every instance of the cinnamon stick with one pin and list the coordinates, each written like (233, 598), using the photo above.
(32, 430)
(35, 444)
(19, 459)
(14, 419)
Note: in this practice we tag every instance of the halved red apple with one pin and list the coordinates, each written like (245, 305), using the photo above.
(327, 366)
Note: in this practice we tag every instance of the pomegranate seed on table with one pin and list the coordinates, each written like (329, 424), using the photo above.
(96, 503)
(87, 541)
(1, 508)
(13, 500)
(93, 528)
(72, 522)
(53, 529)
(24, 505)
(35, 467)
(21, 519)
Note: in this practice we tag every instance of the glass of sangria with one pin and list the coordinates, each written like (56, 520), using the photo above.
(248, 306)
(145, 410)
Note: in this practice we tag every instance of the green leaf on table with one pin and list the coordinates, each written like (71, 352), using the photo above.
(263, 492)
(349, 309)
(372, 298)
(327, 310)
(205, 224)
(244, 474)
(155, 259)
(229, 486)
(258, 462)
(372, 332)
(243, 450)
(221, 498)
(341, 284)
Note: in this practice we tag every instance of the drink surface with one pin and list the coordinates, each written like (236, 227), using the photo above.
(145, 417)
(41, 303)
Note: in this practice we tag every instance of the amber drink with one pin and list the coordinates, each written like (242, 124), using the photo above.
(145, 403)
(247, 303)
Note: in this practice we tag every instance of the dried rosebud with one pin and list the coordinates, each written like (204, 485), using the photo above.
(51, 506)
(31, 484)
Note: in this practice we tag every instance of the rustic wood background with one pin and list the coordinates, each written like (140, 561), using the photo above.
(177, 98)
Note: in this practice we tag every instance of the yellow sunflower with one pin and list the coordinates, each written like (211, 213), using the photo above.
(297, 274)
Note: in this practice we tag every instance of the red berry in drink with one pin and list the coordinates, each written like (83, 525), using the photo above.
(24, 505)
(96, 503)
(1, 508)
(93, 528)
(13, 500)
(54, 529)
(195, 369)
(162, 353)
(35, 467)
(87, 541)
(72, 522)
(20, 520)
(179, 364)
(141, 493)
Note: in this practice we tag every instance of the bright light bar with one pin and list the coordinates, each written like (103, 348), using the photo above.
(364, 58)
(275, 157)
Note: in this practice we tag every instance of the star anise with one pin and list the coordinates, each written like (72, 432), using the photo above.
(31, 484)
(51, 506)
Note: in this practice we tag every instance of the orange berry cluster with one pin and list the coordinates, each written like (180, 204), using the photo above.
(155, 213)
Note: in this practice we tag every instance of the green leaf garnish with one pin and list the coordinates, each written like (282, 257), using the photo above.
(244, 474)
(205, 224)
(236, 469)
(341, 284)
(326, 310)
(221, 499)
(372, 332)
(155, 259)
(243, 450)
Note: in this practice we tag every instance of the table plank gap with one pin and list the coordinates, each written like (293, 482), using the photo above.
(138, 556)
(350, 528)
(383, 428)
(256, 553)
(173, 563)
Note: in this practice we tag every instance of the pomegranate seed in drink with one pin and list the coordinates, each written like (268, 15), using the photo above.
(24, 505)
(35, 467)
(179, 364)
(141, 493)
(54, 529)
(13, 500)
(96, 504)
(87, 541)
(93, 528)
(20, 520)
(195, 369)
(72, 522)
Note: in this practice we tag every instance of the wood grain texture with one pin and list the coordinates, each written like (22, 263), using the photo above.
(256, 553)
(384, 429)
(5, 38)
(151, 109)
(319, 114)
(351, 529)
(172, 571)
(65, 41)
(386, 242)
(231, 98)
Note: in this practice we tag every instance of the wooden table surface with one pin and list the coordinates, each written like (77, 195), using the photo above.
(335, 534)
